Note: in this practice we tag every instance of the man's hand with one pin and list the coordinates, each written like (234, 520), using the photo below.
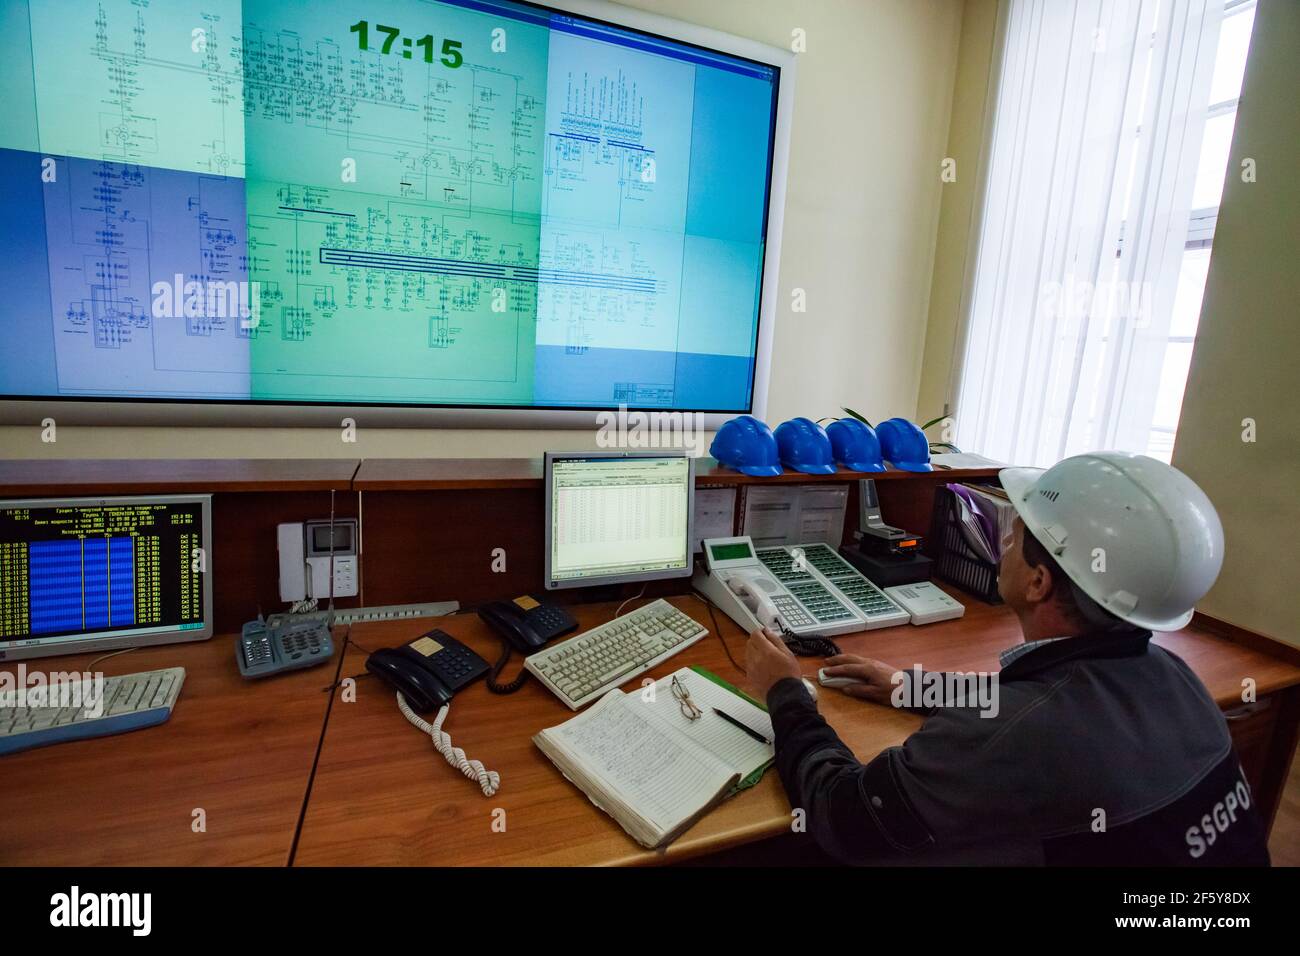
(768, 660)
(877, 676)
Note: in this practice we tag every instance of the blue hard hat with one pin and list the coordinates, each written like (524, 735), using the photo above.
(804, 446)
(855, 445)
(747, 445)
(904, 445)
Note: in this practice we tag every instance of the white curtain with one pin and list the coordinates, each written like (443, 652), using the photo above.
(1097, 124)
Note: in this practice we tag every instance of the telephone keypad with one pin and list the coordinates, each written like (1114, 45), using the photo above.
(549, 621)
(454, 663)
(264, 648)
(791, 612)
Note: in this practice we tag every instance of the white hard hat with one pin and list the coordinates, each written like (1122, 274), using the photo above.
(1160, 539)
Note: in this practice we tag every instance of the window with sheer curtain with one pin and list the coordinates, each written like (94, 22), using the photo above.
(1110, 139)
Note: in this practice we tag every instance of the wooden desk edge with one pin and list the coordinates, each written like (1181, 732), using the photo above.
(1284, 678)
(1273, 647)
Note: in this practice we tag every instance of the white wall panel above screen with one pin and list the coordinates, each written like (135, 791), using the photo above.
(423, 212)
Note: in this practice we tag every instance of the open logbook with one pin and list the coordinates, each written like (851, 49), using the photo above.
(653, 769)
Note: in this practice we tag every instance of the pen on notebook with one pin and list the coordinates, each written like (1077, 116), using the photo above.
(753, 733)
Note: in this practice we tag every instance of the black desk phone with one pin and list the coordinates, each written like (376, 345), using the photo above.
(429, 669)
(524, 624)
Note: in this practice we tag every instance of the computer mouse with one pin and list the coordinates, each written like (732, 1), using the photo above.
(826, 681)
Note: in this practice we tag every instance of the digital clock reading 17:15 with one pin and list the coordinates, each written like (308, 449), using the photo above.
(451, 55)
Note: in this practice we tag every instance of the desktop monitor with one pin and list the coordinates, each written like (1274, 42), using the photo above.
(480, 210)
(92, 574)
(618, 517)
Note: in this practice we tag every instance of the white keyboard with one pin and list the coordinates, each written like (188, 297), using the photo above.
(130, 702)
(582, 668)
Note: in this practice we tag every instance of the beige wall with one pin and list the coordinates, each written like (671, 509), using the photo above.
(1247, 355)
(872, 102)
(970, 109)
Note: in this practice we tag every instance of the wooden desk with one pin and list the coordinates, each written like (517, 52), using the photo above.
(244, 751)
(240, 750)
(382, 795)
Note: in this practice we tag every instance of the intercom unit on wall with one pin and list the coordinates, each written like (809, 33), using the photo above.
(306, 549)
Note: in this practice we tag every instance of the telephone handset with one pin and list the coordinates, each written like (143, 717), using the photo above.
(751, 589)
(526, 625)
(425, 673)
(753, 596)
(754, 592)
(746, 590)
(428, 670)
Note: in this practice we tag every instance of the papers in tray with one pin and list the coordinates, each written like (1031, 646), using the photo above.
(963, 460)
(985, 517)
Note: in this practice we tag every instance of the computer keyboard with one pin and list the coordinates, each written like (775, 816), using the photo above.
(585, 666)
(130, 702)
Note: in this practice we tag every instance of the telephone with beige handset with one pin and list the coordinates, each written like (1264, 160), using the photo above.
(751, 595)
(802, 591)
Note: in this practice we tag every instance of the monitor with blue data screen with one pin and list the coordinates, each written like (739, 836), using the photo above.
(88, 574)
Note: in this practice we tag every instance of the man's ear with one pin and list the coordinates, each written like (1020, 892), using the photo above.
(1038, 584)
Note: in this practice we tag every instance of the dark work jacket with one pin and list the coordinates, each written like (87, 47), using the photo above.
(1105, 750)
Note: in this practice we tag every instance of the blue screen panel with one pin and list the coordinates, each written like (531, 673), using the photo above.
(56, 586)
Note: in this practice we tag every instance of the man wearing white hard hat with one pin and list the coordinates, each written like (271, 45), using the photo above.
(1103, 748)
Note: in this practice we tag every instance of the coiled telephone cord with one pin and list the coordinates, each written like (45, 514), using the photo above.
(488, 780)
